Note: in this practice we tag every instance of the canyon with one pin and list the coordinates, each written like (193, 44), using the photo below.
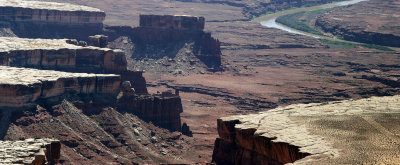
(261, 74)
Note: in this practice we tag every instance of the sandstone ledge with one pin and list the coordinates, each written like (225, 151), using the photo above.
(57, 54)
(324, 133)
(30, 151)
(21, 87)
(46, 5)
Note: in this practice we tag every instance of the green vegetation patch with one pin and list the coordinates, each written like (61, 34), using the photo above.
(299, 21)
(339, 44)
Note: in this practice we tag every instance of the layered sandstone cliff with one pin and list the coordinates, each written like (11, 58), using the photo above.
(57, 54)
(22, 87)
(35, 19)
(163, 110)
(172, 22)
(321, 133)
(30, 152)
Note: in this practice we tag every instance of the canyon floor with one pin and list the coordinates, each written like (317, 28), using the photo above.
(263, 67)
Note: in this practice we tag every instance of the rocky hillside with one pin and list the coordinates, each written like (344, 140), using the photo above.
(373, 21)
(96, 133)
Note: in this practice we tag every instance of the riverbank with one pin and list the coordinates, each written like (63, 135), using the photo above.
(301, 21)
(304, 21)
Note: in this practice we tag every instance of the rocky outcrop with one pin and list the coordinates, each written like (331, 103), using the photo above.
(35, 19)
(372, 22)
(59, 55)
(302, 133)
(172, 22)
(22, 87)
(161, 109)
(30, 152)
(165, 33)
(98, 41)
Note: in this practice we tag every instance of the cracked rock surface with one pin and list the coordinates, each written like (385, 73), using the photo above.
(30, 151)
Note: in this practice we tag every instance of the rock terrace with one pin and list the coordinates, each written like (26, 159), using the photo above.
(26, 76)
(13, 43)
(46, 5)
(23, 87)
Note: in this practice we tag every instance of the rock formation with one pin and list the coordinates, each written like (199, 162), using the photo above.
(22, 87)
(163, 110)
(302, 134)
(35, 19)
(163, 33)
(57, 54)
(172, 22)
(30, 152)
(98, 41)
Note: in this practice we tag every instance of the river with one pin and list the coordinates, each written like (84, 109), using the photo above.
(269, 20)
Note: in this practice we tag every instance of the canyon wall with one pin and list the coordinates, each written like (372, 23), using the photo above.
(59, 55)
(172, 22)
(35, 19)
(30, 152)
(23, 87)
(162, 110)
(158, 33)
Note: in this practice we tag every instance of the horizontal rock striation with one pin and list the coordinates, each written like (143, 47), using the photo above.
(30, 152)
(172, 22)
(312, 134)
(22, 87)
(35, 19)
(162, 110)
(57, 54)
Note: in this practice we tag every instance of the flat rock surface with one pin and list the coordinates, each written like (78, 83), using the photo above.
(335, 132)
(14, 43)
(46, 5)
(25, 76)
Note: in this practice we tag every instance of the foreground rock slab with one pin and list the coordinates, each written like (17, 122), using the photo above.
(342, 132)
(30, 151)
